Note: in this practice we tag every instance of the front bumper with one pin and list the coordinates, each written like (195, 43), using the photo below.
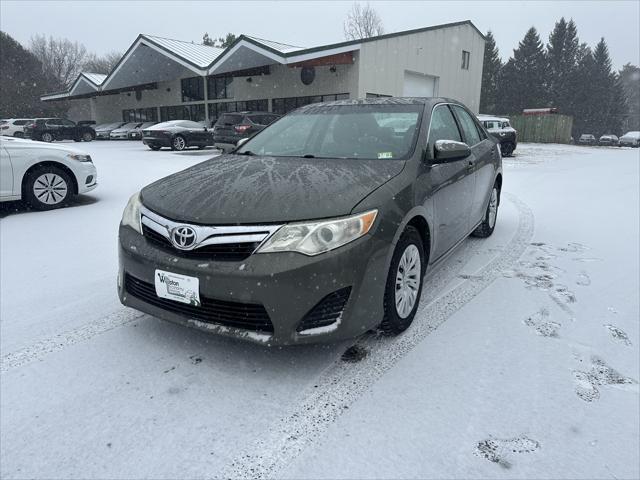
(288, 286)
(103, 135)
(119, 136)
(86, 176)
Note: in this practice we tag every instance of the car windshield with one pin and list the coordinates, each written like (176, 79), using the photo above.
(372, 132)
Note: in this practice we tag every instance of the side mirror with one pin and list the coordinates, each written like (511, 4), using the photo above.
(241, 142)
(450, 151)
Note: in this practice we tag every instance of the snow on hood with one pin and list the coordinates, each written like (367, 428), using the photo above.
(238, 189)
(42, 145)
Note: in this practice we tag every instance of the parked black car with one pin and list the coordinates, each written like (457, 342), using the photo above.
(232, 127)
(177, 134)
(318, 228)
(50, 129)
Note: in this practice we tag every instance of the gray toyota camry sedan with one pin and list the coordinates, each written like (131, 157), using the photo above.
(318, 228)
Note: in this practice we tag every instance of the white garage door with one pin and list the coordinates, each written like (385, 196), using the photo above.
(418, 85)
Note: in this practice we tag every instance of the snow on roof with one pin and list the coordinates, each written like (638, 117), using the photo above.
(96, 78)
(280, 47)
(199, 55)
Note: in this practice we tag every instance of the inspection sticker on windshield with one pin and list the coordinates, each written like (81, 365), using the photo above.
(385, 155)
(180, 288)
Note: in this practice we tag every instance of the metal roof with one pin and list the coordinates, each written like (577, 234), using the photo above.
(95, 78)
(280, 47)
(199, 55)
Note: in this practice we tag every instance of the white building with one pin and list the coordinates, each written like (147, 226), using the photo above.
(161, 79)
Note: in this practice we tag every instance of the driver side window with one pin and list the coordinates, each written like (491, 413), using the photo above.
(443, 126)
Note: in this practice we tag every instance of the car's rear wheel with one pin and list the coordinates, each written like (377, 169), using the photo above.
(404, 283)
(507, 149)
(47, 187)
(18, 135)
(485, 229)
(178, 143)
(47, 137)
(87, 137)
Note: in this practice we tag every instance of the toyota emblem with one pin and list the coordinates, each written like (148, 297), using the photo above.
(183, 237)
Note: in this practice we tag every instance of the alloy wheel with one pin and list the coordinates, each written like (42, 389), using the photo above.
(47, 137)
(50, 188)
(179, 143)
(408, 278)
(87, 137)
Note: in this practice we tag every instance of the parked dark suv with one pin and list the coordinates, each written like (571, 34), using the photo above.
(232, 127)
(50, 129)
(318, 228)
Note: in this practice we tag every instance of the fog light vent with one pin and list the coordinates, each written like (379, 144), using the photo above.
(89, 180)
(327, 311)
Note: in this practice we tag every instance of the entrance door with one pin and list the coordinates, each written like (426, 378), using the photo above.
(418, 85)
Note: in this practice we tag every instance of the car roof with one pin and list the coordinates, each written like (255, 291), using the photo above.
(491, 118)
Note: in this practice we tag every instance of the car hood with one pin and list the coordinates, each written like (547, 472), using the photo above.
(238, 189)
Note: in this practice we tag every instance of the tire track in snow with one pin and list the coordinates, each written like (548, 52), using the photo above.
(60, 341)
(343, 383)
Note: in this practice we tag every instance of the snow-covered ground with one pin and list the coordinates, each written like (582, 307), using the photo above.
(522, 362)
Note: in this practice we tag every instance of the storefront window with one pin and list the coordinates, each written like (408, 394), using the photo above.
(192, 89)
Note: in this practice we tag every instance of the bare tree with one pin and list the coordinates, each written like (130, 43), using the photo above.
(61, 58)
(362, 22)
(95, 64)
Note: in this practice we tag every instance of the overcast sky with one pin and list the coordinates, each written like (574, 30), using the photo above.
(104, 26)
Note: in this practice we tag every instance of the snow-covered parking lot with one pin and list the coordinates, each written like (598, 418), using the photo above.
(523, 360)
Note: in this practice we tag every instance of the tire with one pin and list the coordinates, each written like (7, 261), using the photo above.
(485, 229)
(47, 137)
(47, 187)
(18, 135)
(507, 149)
(155, 148)
(87, 137)
(178, 143)
(405, 275)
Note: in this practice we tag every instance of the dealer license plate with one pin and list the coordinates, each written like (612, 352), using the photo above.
(180, 288)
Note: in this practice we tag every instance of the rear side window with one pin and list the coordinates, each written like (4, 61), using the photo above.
(469, 128)
(262, 119)
(443, 126)
(22, 122)
(227, 119)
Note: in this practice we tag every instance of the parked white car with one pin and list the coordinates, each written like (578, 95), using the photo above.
(103, 132)
(136, 134)
(122, 133)
(630, 139)
(44, 175)
(14, 127)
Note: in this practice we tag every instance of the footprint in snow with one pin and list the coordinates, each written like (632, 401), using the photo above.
(601, 374)
(583, 279)
(539, 321)
(573, 247)
(500, 450)
(618, 334)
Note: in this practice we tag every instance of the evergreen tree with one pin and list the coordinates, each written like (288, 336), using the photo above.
(491, 66)
(584, 114)
(522, 85)
(562, 61)
(630, 79)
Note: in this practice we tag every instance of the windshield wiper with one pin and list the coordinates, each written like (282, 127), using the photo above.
(308, 155)
(248, 153)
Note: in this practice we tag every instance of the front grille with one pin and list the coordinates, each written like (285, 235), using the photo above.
(327, 311)
(220, 252)
(252, 317)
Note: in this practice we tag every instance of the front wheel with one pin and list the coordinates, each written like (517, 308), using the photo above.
(47, 137)
(485, 229)
(507, 149)
(404, 283)
(87, 137)
(178, 143)
(47, 187)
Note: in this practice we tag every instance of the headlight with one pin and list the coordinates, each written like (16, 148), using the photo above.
(318, 237)
(502, 134)
(79, 157)
(131, 214)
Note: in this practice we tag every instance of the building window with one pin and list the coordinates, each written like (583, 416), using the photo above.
(192, 89)
(217, 109)
(183, 112)
(285, 105)
(465, 59)
(220, 87)
(140, 115)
